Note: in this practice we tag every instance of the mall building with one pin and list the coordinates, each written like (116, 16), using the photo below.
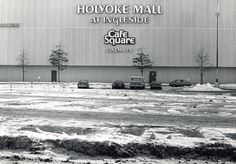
(102, 37)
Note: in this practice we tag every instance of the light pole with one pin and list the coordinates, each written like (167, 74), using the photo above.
(217, 43)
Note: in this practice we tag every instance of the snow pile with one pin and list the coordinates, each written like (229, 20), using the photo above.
(204, 87)
(228, 86)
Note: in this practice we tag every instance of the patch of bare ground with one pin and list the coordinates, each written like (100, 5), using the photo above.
(216, 151)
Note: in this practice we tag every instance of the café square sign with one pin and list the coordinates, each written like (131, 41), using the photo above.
(120, 37)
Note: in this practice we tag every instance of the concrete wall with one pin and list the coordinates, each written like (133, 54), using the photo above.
(110, 74)
(171, 39)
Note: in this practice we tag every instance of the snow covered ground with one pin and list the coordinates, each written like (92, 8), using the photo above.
(46, 113)
(228, 86)
(66, 97)
(204, 87)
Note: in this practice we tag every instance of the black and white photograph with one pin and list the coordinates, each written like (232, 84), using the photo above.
(117, 81)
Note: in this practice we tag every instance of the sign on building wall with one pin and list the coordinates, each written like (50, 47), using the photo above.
(9, 25)
(119, 39)
(120, 14)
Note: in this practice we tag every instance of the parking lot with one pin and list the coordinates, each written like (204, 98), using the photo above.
(48, 112)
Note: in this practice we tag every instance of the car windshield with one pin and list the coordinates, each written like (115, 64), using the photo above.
(136, 79)
(83, 82)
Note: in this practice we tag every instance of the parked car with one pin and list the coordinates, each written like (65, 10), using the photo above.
(155, 85)
(137, 82)
(83, 84)
(118, 84)
(180, 83)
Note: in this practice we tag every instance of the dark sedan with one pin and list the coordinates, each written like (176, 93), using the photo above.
(118, 84)
(83, 84)
(155, 85)
(180, 83)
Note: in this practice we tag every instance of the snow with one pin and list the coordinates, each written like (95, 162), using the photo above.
(173, 111)
(101, 99)
(203, 87)
(228, 86)
(66, 97)
(111, 133)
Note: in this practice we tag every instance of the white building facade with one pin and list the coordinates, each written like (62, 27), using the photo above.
(102, 37)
